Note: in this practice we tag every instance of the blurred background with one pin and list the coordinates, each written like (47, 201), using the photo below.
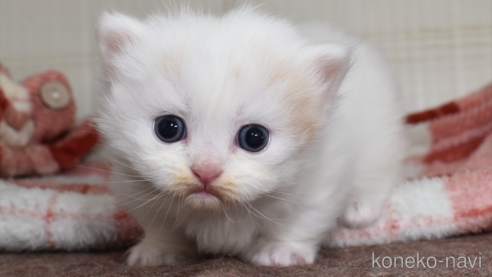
(440, 49)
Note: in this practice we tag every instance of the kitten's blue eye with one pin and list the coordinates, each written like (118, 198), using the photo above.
(252, 137)
(169, 128)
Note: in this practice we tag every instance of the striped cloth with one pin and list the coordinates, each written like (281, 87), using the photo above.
(448, 191)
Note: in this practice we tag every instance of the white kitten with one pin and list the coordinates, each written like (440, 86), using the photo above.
(236, 135)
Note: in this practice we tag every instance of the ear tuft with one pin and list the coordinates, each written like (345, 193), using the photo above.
(332, 62)
(116, 31)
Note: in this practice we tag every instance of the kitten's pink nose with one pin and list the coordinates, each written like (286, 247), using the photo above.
(206, 174)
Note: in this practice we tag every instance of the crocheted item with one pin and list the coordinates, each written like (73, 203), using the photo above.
(36, 125)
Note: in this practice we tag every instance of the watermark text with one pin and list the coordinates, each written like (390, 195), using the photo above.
(421, 261)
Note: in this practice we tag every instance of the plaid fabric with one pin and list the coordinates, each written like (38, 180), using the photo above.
(448, 187)
(447, 192)
(70, 211)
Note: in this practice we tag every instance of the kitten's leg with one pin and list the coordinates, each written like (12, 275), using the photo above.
(163, 248)
(362, 211)
(160, 244)
(292, 242)
(368, 198)
(282, 253)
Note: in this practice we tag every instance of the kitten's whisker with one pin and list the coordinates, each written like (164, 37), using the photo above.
(145, 203)
(283, 199)
(141, 192)
(137, 198)
(106, 171)
(134, 240)
(224, 209)
(157, 197)
(160, 207)
(243, 207)
(155, 189)
(177, 212)
(167, 212)
(285, 193)
(124, 181)
(138, 222)
(238, 213)
(249, 213)
(264, 216)
(117, 161)
(132, 195)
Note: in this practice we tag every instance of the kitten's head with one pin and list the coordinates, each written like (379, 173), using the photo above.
(214, 110)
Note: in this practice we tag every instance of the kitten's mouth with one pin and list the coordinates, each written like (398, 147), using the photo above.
(206, 197)
(203, 200)
(203, 193)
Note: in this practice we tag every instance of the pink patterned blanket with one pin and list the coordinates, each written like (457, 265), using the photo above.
(448, 192)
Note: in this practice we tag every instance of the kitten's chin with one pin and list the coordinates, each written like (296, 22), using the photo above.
(203, 201)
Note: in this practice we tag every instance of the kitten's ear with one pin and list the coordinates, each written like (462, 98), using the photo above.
(117, 31)
(332, 62)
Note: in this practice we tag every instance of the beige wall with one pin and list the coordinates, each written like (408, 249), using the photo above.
(440, 48)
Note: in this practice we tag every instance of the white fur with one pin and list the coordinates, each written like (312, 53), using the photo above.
(216, 74)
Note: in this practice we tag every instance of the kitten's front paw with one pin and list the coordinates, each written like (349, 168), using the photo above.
(360, 214)
(146, 254)
(284, 255)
